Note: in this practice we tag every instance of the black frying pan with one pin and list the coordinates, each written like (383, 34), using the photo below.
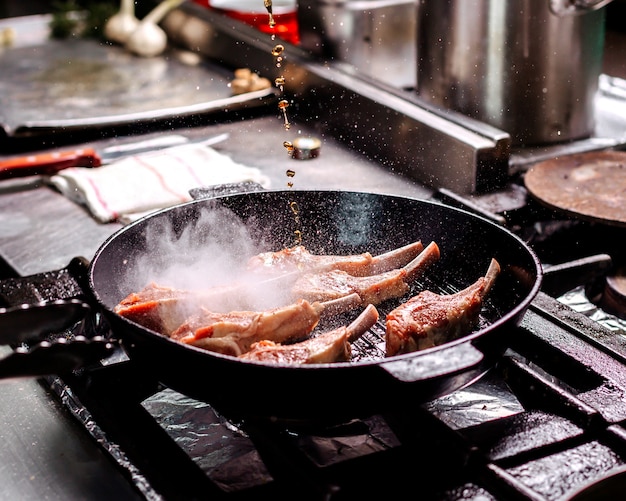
(330, 222)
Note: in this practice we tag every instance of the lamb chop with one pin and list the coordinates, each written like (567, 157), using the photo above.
(164, 309)
(328, 347)
(298, 258)
(157, 307)
(372, 289)
(430, 319)
(234, 333)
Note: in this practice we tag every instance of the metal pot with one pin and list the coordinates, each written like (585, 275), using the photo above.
(528, 67)
(376, 37)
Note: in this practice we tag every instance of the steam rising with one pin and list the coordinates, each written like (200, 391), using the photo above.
(208, 257)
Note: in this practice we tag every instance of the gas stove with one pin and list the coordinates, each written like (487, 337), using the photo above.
(544, 423)
(547, 421)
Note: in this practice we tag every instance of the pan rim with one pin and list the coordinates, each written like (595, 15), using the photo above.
(516, 311)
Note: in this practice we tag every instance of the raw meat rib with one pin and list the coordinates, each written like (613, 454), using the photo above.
(372, 289)
(234, 333)
(297, 258)
(333, 346)
(163, 309)
(430, 319)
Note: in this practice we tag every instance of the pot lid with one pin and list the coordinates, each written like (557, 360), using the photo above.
(589, 186)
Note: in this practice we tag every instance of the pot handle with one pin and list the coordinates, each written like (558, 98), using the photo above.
(422, 366)
(575, 7)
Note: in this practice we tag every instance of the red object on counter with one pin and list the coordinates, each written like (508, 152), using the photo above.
(48, 163)
(253, 13)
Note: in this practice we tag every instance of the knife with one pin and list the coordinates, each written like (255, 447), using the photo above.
(53, 162)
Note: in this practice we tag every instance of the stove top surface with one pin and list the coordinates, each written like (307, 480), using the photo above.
(548, 420)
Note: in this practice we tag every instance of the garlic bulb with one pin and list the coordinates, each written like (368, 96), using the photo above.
(120, 26)
(149, 39)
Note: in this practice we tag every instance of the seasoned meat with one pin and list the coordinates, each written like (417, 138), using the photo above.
(163, 309)
(372, 289)
(333, 346)
(430, 319)
(298, 258)
(234, 333)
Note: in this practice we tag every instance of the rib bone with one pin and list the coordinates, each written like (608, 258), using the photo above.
(234, 333)
(297, 258)
(333, 346)
(164, 309)
(372, 289)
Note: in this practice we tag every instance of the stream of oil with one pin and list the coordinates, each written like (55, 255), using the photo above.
(278, 53)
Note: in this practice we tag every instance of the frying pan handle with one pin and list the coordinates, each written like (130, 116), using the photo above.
(55, 357)
(39, 308)
(443, 363)
(32, 321)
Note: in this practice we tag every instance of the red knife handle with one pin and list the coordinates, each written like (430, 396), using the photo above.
(48, 163)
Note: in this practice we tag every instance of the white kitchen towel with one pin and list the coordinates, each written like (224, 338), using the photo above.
(146, 182)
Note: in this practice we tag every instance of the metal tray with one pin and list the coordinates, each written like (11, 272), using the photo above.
(60, 86)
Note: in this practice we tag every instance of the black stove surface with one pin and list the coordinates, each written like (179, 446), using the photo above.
(547, 420)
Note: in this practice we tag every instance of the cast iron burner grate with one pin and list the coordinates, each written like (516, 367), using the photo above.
(548, 420)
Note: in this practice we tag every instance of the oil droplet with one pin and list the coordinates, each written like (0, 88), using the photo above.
(291, 173)
(283, 104)
(298, 234)
(278, 50)
(280, 83)
(288, 146)
(268, 6)
(294, 208)
(290, 184)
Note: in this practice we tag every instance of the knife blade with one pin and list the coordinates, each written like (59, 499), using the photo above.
(52, 162)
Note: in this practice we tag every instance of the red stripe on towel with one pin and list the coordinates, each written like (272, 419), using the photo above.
(101, 200)
(188, 167)
(162, 180)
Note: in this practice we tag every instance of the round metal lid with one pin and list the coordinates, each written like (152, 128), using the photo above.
(590, 186)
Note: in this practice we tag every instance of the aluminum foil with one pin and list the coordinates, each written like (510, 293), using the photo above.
(578, 301)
